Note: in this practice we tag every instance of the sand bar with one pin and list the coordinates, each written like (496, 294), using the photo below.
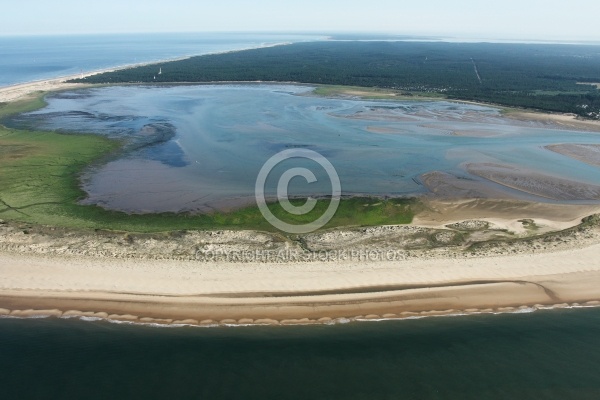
(587, 153)
(564, 121)
(535, 183)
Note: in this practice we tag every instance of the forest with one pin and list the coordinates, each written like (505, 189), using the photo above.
(537, 76)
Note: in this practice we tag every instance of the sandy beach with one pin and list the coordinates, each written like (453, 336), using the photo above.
(193, 293)
(23, 91)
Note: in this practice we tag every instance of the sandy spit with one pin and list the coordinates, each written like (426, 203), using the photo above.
(172, 291)
(23, 91)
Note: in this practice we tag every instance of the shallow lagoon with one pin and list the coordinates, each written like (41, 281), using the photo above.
(201, 147)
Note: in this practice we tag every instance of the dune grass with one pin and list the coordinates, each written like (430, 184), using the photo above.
(39, 184)
(21, 106)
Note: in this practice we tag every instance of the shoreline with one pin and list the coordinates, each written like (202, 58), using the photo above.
(169, 323)
(23, 90)
(186, 293)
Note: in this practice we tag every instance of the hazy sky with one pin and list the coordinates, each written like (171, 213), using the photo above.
(526, 19)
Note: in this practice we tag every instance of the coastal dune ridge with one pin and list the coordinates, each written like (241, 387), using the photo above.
(176, 292)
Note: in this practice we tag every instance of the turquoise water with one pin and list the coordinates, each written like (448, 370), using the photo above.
(28, 58)
(543, 355)
(201, 147)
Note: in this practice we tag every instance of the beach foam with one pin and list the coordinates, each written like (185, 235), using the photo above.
(136, 321)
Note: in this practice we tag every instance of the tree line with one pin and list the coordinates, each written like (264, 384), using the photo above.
(544, 77)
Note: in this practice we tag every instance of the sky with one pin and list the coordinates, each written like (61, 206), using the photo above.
(500, 19)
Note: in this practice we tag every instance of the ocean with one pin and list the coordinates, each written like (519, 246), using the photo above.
(549, 354)
(30, 58)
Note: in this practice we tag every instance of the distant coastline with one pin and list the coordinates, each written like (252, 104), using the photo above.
(480, 72)
(25, 58)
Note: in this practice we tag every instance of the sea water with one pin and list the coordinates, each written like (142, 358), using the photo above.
(551, 354)
(30, 58)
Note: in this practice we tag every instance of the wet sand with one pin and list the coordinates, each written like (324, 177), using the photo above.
(564, 121)
(386, 130)
(476, 133)
(443, 185)
(587, 153)
(535, 183)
